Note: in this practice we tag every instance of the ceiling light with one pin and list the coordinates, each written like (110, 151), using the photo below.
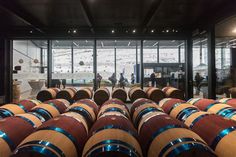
(152, 31)
(69, 31)
(234, 30)
(126, 31)
(31, 31)
(112, 31)
(134, 31)
(176, 31)
(167, 31)
(75, 31)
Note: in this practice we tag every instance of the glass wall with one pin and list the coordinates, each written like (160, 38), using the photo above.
(225, 67)
(118, 63)
(61, 63)
(29, 68)
(82, 70)
(200, 67)
(164, 63)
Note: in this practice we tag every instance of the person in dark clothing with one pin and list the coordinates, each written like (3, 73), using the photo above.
(113, 80)
(63, 82)
(198, 80)
(99, 79)
(122, 81)
(132, 78)
(153, 78)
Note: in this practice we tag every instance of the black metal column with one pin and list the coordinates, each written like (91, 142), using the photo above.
(136, 68)
(41, 61)
(141, 65)
(49, 71)
(179, 53)
(95, 64)
(211, 63)
(115, 61)
(6, 68)
(158, 51)
(189, 68)
(72, 62)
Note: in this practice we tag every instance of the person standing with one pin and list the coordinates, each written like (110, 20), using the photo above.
(198, 80)
(113, 80)
(153, 79)
(132, 78)
(122, 81)
(99, 79)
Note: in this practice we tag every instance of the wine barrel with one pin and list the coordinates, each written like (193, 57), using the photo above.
(54, 138)
(114, 108)
(194, 118)
(172, 92)
(136, 93)
(155, 94)
(91, 103)
(101, 95)
(163, 136)
(78, 117)
(119, 93)
(202, 104)
(168, 104)
(112, 136)
(60, 104)
(223, 110)
(218, 132)
(138, 103)
(85, 110)
(229, 101)
(46, 111)
(142, 110)
(181, 111)
(67, 94)
(47, 94)
(34, 120)
(84, 93)
(9, 110)
(114, 101)
(12, 131)
(28, 104)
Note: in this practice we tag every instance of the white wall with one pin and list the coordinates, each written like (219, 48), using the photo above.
(28, 67)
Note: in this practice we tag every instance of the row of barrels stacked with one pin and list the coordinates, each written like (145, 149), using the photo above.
(52, 128)
(214, 121)
(102, 94)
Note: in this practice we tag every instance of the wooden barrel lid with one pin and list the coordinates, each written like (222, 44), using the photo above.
(84, 93)
(155, 94)
(119, 93)
(136, 93)
(101, 95)
(47, 94)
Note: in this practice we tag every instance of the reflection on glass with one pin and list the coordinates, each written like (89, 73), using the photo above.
(164, 63)
(200, 68)
(29, 68)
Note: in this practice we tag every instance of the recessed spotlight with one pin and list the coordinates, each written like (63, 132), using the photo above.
(75, 31)
(173, 30)
(69, 31)
(234, 30)
(167, 31)
(134, 31)
(31, 31)
(176, 31)
(163, 31)
(113, 31)
(152, 31)
(127, 31)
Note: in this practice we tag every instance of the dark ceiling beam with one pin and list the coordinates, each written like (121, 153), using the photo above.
(16, 11)
(87, 15)
(151, 13)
